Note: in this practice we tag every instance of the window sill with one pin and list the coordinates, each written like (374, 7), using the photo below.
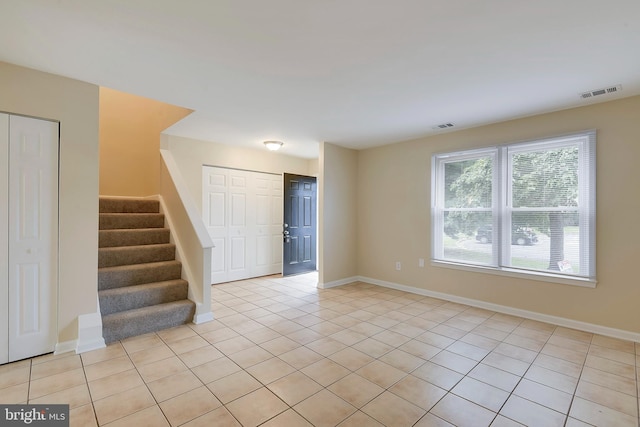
(539, 276)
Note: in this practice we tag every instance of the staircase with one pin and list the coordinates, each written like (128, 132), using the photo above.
(139, 280)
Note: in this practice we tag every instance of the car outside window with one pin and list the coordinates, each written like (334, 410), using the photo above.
(526, 207)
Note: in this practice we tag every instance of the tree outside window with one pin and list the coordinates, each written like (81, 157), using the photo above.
(527, 206)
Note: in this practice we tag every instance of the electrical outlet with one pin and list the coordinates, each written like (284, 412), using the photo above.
(398, 265)
(420, 262)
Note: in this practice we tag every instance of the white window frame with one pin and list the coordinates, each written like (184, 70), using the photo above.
(501, 208)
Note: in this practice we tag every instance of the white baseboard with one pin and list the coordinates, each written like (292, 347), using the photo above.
(335, 283)
(65, 346)
(203, 317)
(75, 345)
(90, 345)
(561, 321)
(89, 332)
(89, 335)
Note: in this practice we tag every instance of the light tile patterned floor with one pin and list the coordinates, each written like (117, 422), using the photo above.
(283, 353)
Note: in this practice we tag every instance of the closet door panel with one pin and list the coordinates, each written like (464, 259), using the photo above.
(239, 251)
(33, 236)
(276, 224)
(262, 238)
(4, 238)
(214, 207)
(262, 224)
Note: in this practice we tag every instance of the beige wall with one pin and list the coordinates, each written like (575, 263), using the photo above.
(130, 129)
(75, 105)
(191, 154)
(338, 213)
(313, 167)
(394, 185)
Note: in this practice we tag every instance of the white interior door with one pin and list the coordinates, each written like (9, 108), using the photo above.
(214, 208)
(243, 214)
(277, 216)
(4, 238)
(32, 236)
(268, 224)
(240, 204)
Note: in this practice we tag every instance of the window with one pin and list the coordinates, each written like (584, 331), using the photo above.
(519, 208)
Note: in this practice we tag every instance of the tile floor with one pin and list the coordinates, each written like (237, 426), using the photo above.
(283, 353)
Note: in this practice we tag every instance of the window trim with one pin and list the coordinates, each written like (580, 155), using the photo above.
(501, 188)
(537, 276)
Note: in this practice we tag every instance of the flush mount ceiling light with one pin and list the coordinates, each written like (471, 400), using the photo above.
(273, 145)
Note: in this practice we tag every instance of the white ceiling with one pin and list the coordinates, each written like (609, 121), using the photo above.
(357, 73)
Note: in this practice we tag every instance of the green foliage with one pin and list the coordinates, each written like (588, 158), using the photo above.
(468, 185)
(540, 179)
(544, 179)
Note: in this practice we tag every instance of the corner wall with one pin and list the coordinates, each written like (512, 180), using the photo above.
(75, 105)
(394, 184)
(130, 129)
(339, 214)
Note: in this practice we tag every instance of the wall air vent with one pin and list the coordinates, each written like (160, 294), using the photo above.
(443, 126)
(598, 92)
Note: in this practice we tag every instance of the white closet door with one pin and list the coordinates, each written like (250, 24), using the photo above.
(277, 216)
(238, 210)
(268, 224)
(243, 214)
(214, 207)
(4, 238)
(33, 236)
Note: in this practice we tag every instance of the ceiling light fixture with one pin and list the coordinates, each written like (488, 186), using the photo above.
(273, 145)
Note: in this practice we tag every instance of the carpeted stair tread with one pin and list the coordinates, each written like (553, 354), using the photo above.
(118, 326)
(128, 255)
(137, 296)
(138, 274)
(122, 205)
(133, 237)
(140, 289)
(111, 221)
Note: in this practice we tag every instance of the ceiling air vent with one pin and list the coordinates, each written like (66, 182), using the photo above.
(598, 92)
(443, 126)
